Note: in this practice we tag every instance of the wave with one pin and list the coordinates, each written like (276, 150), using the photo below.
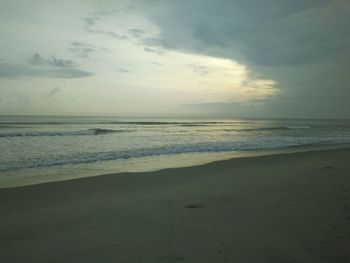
(282, 128)
(97, 131)
(227, 146)
(119, 122)
(102, 131)
(195, 124)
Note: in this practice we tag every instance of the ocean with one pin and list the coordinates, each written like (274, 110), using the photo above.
(36, 149)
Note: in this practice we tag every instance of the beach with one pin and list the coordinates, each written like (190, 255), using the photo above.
(279, 208)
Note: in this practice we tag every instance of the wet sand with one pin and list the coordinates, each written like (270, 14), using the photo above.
(280, 208)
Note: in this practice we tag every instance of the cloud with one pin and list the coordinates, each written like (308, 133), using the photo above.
(54, 67)
(8, 70)
(199, 69)
(269, 33)
(81, 49)
(54, 92)
(90, 26)
(135, 32)
(302, 45)
(38, 60)
(156, 42)
(107, 33)
(41, 67)
(68, 73)
(90, 21)
(112, 34)
(157, 51)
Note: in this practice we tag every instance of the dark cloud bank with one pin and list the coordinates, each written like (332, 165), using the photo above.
(269, 33)
(289, 41)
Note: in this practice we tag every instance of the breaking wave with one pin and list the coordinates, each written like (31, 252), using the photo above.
(97, 131)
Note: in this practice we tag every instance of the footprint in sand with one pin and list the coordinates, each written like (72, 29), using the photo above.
(330, 167)
(194, 206)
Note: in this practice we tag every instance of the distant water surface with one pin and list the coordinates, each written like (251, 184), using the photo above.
(41, 148)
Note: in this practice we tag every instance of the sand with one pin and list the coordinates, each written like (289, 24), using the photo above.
(280, 208)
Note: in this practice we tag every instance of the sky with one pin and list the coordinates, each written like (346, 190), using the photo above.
(183, 58)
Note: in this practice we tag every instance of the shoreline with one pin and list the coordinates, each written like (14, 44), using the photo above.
(42, 175)
(277, 208)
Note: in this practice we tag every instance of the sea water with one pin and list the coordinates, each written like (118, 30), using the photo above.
(37, 149)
